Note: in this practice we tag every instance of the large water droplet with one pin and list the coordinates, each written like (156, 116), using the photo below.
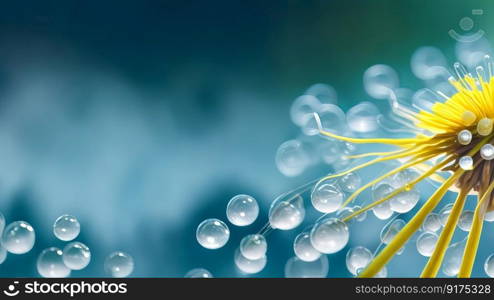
(253, 246)
(212, 233)
(303, 248)
(297, 268)
(287, 212)
(426, 243)
(327, 196)
(357, 258)
(18, 237)
(329, 235)
(242, 210)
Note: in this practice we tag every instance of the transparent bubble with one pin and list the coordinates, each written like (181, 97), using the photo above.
(119, 264)
(345, 212)
(253, 246)
(332, 120)
(423, 99)
(329, 235)
(18, 237)
(76, 256)
(466, 162)
(357, 258)
(212, 233)
(323, 92)
(445, 212)
(350, 182)
(472, 53)
(287, 213)
(242, 210)
(465, 221)
(382, 211)
(428, 63)
(363, 117)
(50, 264)
(379, 80)
(404, 177)
(198, 273)
(432, 223)
(3, 254)
(297, 268)
(360, 217)
(249, 266)
(66, 228)
(489, 216)
(452, 258)
(405, 201)
(426, 243)
(327, 196)
(292, 158)
(391, 229)
(383, 273)
(304, 249)
(489, 266)
(302, 109)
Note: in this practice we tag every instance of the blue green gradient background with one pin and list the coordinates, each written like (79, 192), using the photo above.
(142, 118)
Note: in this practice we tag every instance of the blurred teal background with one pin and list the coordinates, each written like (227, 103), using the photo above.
(142, 118)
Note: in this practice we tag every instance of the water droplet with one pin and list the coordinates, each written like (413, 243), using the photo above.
(291, 158)
(426, 243)
(76, 256)
(405, 201)
(350, 182)
(304, 249)
(452, 258)
(383, 273)
(428, 63)
(432, 223)
(360, 217)
(391, 229)
(323, 92)
(242, 210)
(332, 119)
(465, 137)
(198, 273)
(302, 109)
(379, 80)
(253, 246)
(465, 221)
(66, 228)
(18, 237)
(358, 257)
(489, 266)
(363, 117)
(297, 268)
(249, 266)
(119, 264)
(327, 196)
(50, 264)
(212, 233)
(287, 212)
(444, 213)
(489, 216)
(487, 152)
(329, 235)
(466, 162)
(383, 211)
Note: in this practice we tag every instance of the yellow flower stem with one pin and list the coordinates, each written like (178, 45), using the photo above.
(437, 256)
(413, 225)
(474, 235)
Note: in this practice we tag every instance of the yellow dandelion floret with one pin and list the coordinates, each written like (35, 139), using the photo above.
(459, 136)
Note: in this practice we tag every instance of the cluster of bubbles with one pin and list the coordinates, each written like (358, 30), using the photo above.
(19, 238)
(294, 156)
(330, 233)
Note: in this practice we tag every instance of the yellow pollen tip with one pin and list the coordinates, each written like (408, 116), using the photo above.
(468, 118)
(484, 127)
